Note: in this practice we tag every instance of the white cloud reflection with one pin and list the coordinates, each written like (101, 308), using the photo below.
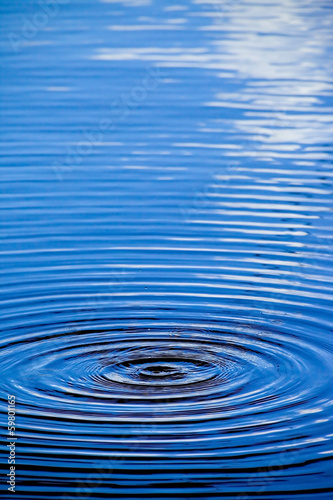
(278, 53)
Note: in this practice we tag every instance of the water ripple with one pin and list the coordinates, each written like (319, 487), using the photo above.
(166, 279)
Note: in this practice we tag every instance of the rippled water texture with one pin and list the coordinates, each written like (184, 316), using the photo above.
(167, 248)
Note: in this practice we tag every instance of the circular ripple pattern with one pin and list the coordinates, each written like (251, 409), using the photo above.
(242, 396)
(196, 376)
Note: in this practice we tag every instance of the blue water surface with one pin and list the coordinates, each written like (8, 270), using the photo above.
(167, 248)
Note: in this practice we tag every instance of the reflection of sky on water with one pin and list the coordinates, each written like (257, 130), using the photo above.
(275, 64)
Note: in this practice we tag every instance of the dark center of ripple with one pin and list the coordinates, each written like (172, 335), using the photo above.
(164, 369)
(161, 371)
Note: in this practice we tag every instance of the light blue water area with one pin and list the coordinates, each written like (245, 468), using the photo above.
(167, 248)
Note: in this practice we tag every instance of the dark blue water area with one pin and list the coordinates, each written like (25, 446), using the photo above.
(167, 249)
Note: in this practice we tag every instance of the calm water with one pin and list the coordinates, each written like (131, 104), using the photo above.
(167, 248)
